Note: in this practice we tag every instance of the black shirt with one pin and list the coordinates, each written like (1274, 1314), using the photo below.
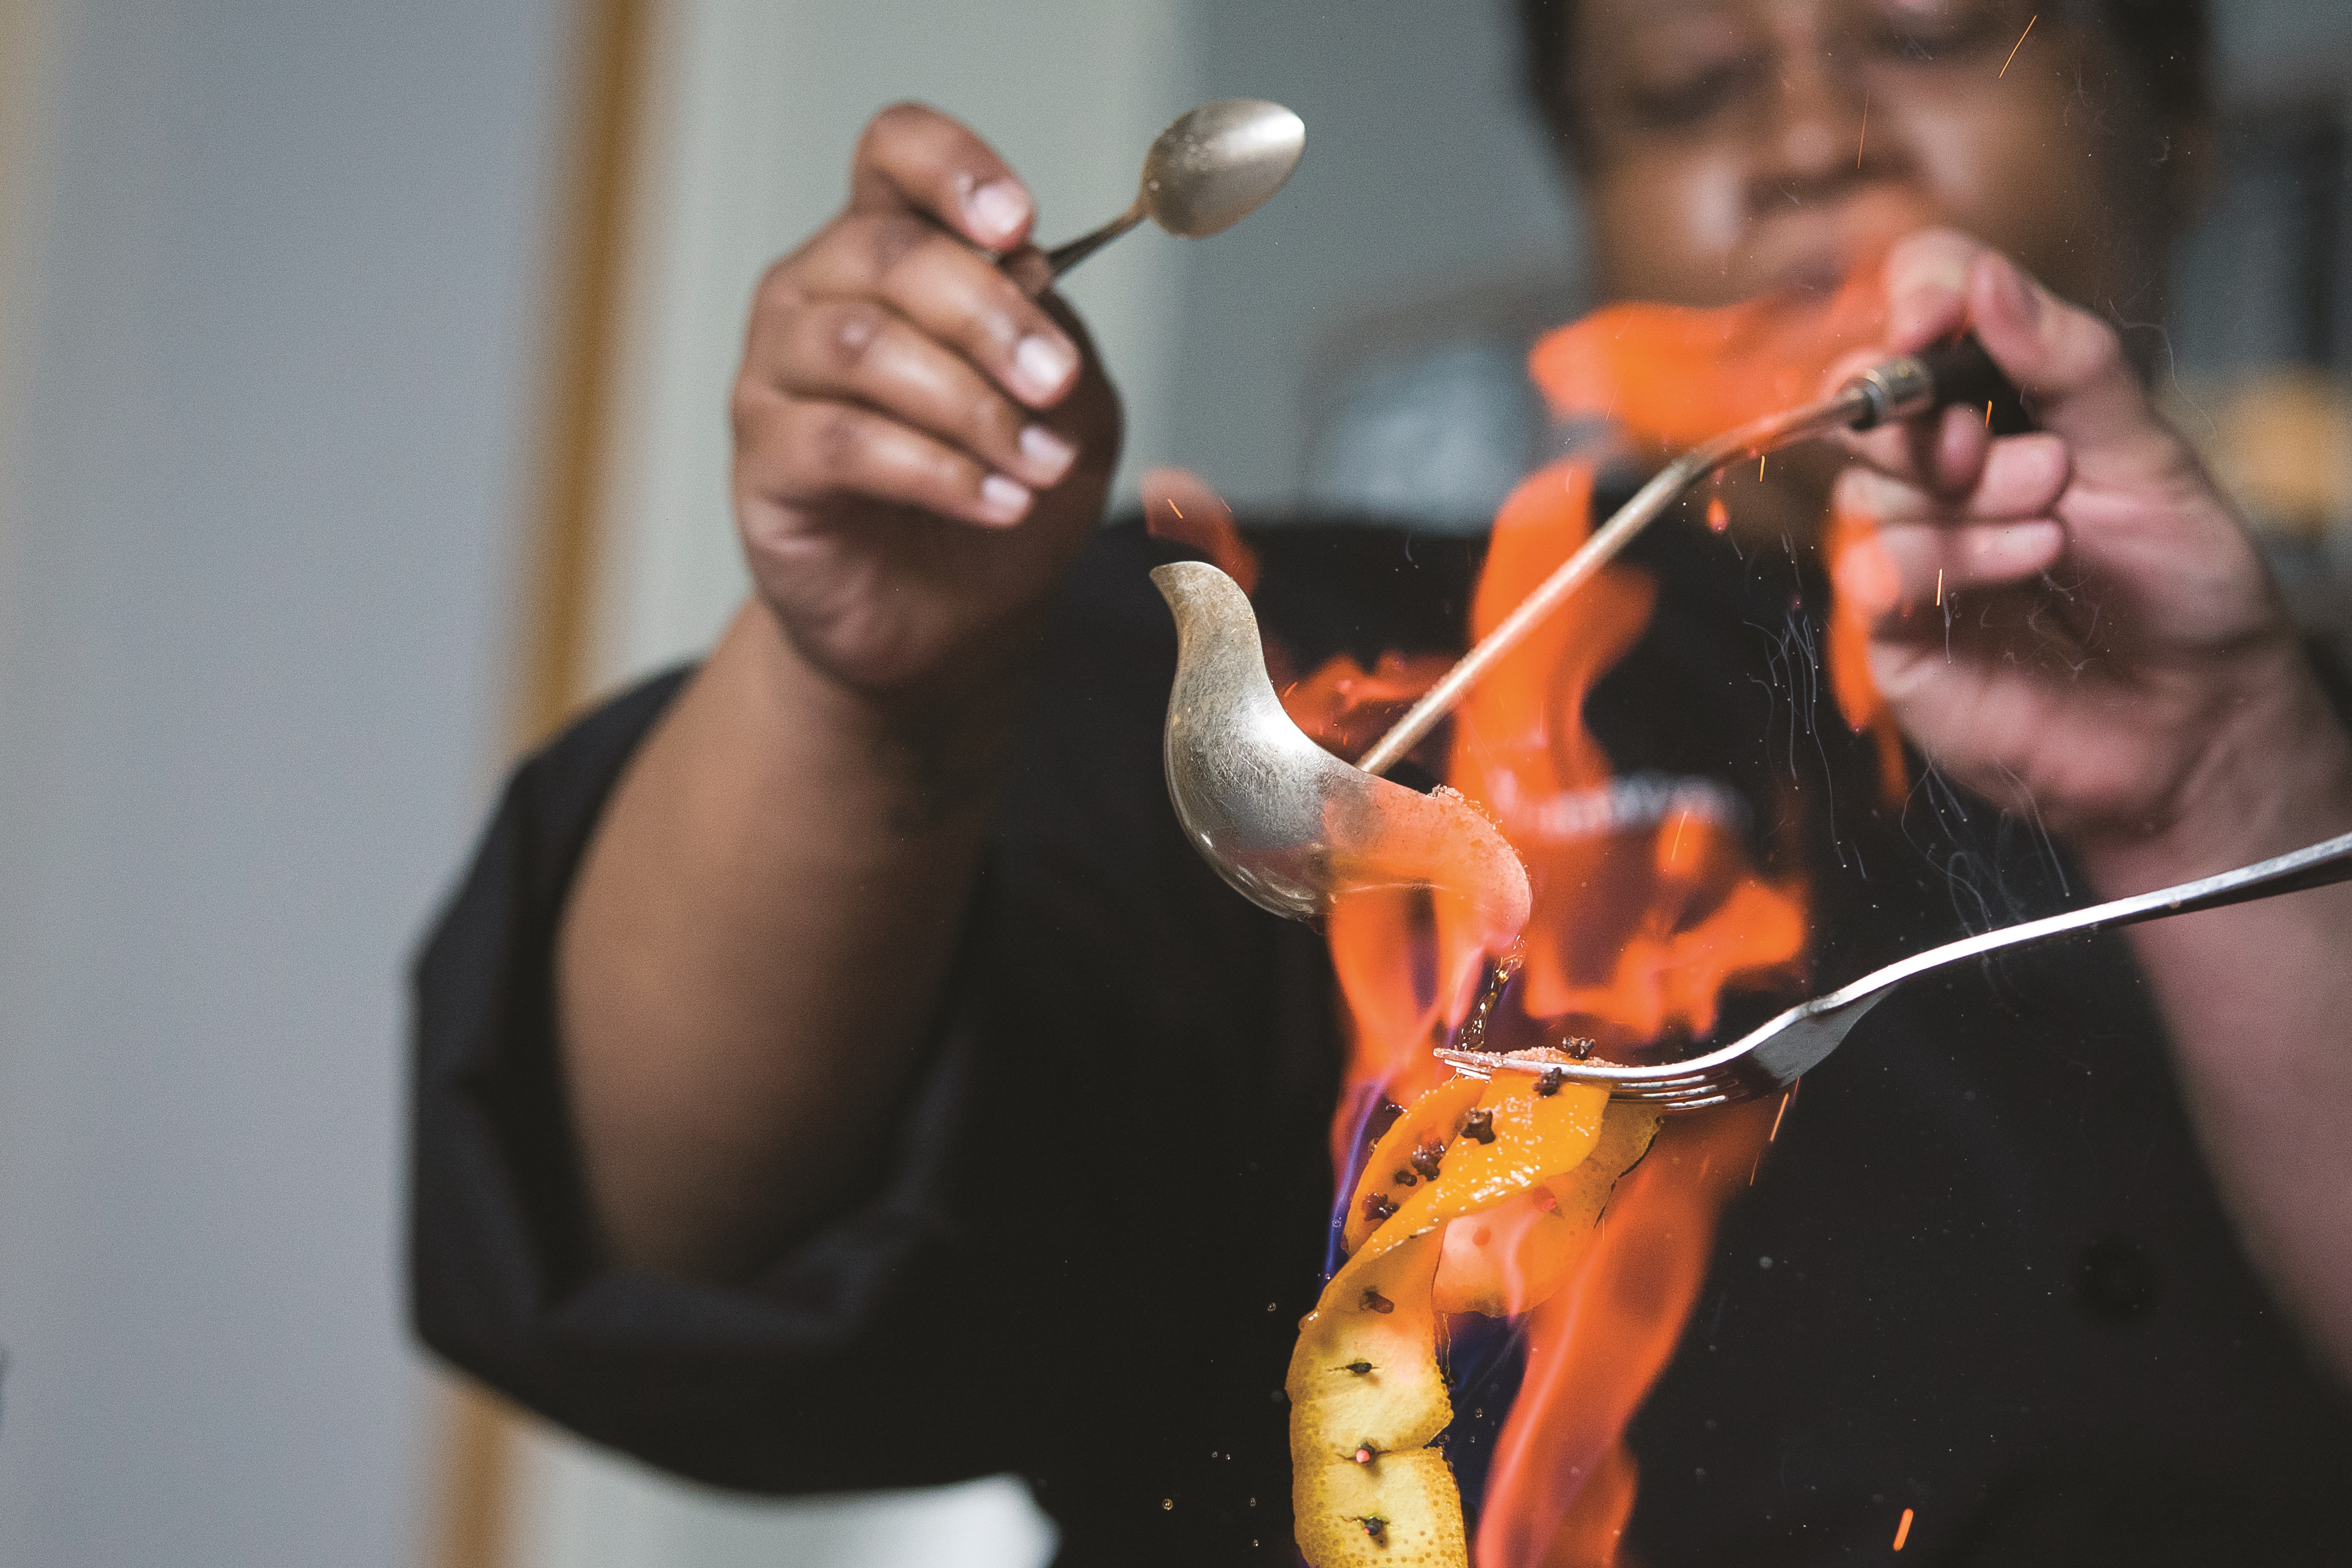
(1999, 1292)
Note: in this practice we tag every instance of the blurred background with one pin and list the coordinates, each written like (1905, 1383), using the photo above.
(362, 381)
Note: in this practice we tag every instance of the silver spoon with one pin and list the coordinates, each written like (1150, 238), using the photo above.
(1212, 167)
(1288, 825)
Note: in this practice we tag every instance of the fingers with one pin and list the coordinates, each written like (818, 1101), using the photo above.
(1920, 547)
(860, 352)
(1892, 570)
(1927, 279)
(914, 160)
(2018, 478)
(891, 360)
(2069, 364)
(950, 292)
(797, 452)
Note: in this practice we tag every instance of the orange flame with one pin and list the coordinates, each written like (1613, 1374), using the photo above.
(1344, 707)
(1866, 585)
(1180, 505)
(1672, 376)
(1647, 908)
(1563, 1486)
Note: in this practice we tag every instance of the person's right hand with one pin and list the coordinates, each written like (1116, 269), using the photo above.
(919, 446)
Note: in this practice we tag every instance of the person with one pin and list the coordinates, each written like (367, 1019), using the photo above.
(837, 1070)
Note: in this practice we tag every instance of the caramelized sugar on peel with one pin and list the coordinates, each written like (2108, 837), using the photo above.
(1514, 1255)
(1413, 1146)
(1536, 1137)
(1366, 1394)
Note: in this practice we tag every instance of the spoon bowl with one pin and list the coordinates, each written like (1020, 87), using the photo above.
(1287, 825)
(1212, 167)
(1218, 164)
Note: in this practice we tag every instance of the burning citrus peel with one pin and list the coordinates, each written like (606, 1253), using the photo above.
(1531, 1159)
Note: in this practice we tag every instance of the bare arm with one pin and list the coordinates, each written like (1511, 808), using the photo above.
(2259, 999)
(761, 928)
(2116, 660)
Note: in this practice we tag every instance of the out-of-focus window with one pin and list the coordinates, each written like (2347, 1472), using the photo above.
(2261, 349)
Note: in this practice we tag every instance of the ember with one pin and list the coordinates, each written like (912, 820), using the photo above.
(2005, 71)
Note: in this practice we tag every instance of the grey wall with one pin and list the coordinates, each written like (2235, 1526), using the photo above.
(252, 644)
(1422, 175)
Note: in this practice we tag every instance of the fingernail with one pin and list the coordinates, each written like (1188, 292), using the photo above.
(1930, 296)
(1040, 366)
(1003, 499)
(1048, 453)
(2020, 294)
(998, 209)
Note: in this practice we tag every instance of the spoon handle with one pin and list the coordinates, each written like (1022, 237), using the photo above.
(1064, 257)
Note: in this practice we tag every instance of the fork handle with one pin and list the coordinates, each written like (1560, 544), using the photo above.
(2314, 866)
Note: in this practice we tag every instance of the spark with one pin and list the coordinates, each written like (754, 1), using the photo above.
(1903, 1531)
(1940, 587)
(1865, 139)
(2005, 71)
(1179, 511)
(1769, 1137)
(1988, 413)
(1681, 820)
(1759, 465)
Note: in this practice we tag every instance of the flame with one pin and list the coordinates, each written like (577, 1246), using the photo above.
(1867, 585)
(1671, 376)
(1181, 506)
(1345, 708)
(1646, 907)
(1638, 925)
(1562, 1484)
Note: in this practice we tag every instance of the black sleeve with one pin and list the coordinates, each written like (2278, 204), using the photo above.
(796, 1381)
(1103, 1205)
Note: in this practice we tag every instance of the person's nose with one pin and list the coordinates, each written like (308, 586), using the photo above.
(1815, 140)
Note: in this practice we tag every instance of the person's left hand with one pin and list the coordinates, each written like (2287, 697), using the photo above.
(2071, 623)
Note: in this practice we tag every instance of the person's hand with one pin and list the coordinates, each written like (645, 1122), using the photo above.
(2071, 622)
(919, 446)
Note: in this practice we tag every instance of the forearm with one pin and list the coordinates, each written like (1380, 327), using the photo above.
(756, 946)
(2258, 1000)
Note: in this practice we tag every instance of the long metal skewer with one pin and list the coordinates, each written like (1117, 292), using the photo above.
(1897, 389)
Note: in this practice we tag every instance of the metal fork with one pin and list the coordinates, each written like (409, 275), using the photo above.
(1774, 1057)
